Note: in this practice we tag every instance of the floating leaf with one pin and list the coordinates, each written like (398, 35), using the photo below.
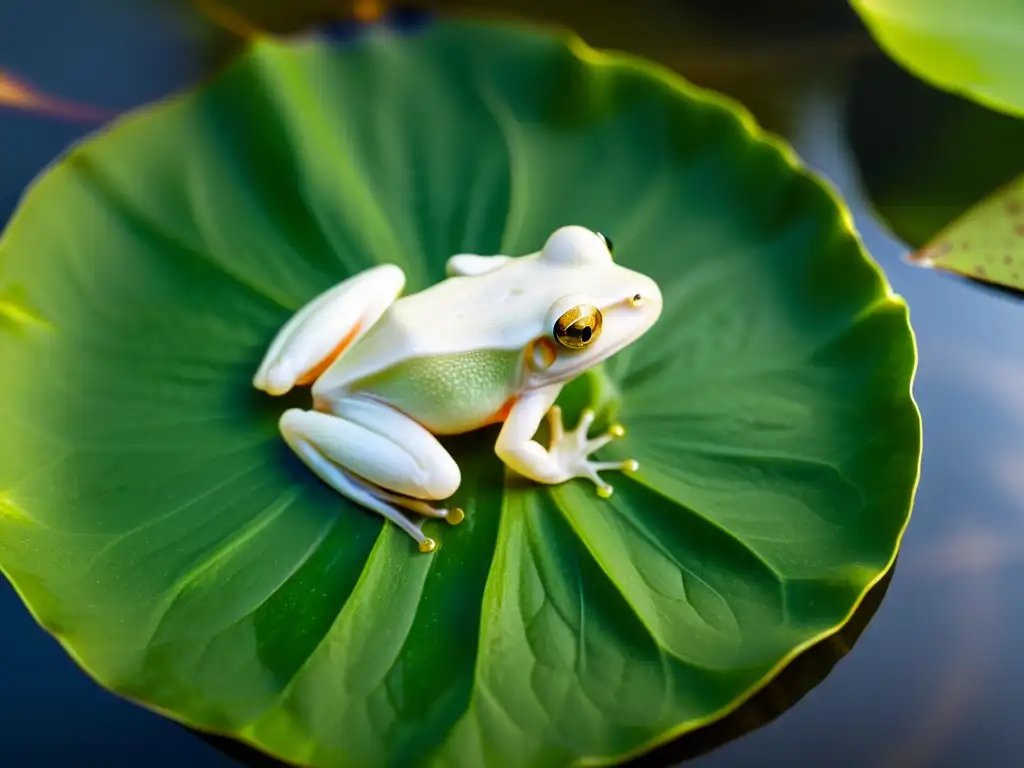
(166, 535)
(933, 156)
(986, 243)
(970, 47)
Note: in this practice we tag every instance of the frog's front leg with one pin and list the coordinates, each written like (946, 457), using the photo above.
(377, 457)
(567, 454)
(328, 324)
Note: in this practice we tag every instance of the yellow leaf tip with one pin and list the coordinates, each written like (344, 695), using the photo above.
(13, 513)
(16, 313)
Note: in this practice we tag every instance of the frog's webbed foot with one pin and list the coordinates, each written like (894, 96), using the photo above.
(451, 515)
(570, 450)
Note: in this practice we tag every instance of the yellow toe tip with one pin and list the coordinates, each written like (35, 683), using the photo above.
(428, 545)
(616, 430)
(605, 491)
(455, 516)
(630, 465)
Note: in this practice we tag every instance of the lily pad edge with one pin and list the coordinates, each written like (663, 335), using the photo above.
(676, 85)
(878, 24)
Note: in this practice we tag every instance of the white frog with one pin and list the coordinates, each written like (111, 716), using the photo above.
(494, 342)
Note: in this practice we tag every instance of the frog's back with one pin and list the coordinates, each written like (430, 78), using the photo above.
(448, 356)
(498, 311)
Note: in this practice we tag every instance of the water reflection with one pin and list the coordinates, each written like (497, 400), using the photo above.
(788, 688)
(930, 682)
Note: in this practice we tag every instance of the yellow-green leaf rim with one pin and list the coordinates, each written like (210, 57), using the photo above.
(155, 523)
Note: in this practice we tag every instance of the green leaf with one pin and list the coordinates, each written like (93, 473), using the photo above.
(784, 692)
(970, 47)
(986, 243)
(155, 522)
(933, 156)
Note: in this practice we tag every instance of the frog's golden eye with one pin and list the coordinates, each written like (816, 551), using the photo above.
(578, 327)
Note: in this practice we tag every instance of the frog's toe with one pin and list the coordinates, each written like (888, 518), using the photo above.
(615, 431)
(556, 427)
(455, 515)
(428, 545)
(587, 416)
(626, 465)
(604, 489)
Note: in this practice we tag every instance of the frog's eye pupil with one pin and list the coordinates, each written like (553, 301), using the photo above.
(578, 327)
(607, 242)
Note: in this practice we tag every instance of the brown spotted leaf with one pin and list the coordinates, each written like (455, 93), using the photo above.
(986, 243)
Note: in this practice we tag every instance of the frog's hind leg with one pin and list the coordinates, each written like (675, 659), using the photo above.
(379, 458)
(329, 323)
(361, 493)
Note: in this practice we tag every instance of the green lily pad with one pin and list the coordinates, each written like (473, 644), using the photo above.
(970, 47)
(154, 521)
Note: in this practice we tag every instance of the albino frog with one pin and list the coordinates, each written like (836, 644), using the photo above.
(494, 342)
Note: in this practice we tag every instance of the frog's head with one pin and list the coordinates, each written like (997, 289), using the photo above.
(608, 309)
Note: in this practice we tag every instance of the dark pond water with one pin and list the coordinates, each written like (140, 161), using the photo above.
(932, 681)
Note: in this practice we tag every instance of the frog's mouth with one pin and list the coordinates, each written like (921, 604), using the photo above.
(634, 315)
(587, 361)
